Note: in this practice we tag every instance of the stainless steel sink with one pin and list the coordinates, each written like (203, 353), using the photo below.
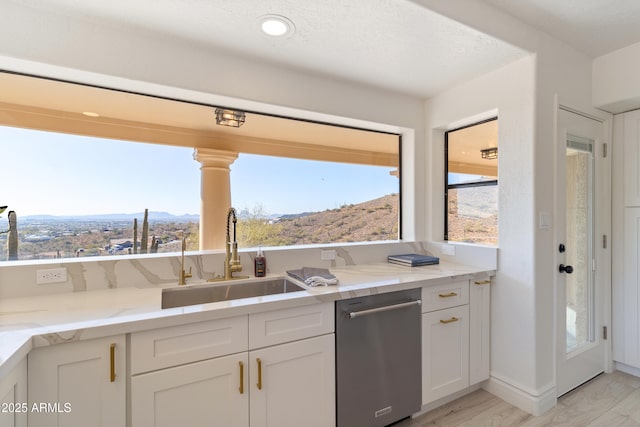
(230, 290)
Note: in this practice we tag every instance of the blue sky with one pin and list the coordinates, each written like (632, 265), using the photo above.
(59, 174)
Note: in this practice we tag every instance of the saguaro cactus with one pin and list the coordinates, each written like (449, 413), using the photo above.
(135, 235)
(12, 238)
(144, 240)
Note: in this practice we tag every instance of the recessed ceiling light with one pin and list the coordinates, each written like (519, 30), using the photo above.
(90, 114)
(277, 26)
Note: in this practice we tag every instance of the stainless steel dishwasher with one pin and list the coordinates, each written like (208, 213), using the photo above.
(378, 362)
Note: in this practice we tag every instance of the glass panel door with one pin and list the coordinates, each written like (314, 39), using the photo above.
(579, 229)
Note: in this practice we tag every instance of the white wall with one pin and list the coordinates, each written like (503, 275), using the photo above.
(525, 95)
(56, 46)
(509, 92)
(616, 80)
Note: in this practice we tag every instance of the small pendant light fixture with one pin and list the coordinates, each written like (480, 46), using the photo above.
(489, 153)
(233, 118)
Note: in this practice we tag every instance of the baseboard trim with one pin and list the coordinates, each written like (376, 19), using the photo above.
(631, 370)
(533, 404)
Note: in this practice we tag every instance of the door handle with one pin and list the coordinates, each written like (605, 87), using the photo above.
(112, 362)
(449, 295)
(565, 269)
(354, 314)
(259, 384)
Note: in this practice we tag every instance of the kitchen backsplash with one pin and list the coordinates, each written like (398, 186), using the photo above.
(19, 279)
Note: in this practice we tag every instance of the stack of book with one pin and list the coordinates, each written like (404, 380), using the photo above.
(413, 260)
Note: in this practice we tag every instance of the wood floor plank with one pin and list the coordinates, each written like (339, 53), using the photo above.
(611, 419)
(610, 400)
(461, 409)
(629, 407)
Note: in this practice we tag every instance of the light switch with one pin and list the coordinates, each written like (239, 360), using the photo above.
(545, 220)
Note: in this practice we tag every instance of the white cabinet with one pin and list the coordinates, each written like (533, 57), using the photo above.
(445, 352)
(479, 330)
(208, 393)
(277, 327)
(626, 242)
(293, 384)
(80, 383)
(268, 369)
(627, 349)
(630, 128)
(177, 345)
(455, 337)
(13, 397)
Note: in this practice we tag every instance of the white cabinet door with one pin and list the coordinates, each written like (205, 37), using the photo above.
(629, 351)
(13, 397)
(445, 352)
(209, 393)
(631, 141)
(293, 384)
(78, 384)
(479, 330)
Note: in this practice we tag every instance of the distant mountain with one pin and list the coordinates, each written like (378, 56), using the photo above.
(153, 216)
(294, 216)
(246, 214)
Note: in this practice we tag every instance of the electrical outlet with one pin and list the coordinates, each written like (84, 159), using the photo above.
(328, 255)
(51, 275)
(448, 250)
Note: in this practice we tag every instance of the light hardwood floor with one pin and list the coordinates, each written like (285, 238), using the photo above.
(609, 400)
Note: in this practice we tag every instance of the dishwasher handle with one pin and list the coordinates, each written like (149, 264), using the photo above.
(354, 314)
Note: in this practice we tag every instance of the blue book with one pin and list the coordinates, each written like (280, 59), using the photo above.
(413, 260)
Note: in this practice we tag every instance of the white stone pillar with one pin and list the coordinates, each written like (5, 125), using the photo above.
(215, 195)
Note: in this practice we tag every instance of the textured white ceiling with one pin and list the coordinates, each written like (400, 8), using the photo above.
(394, 44)
(595, 27)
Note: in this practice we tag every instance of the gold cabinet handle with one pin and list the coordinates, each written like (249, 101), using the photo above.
(449, 295)
(241, 388)
(453, 319)
(259, 373)
(112, 355)
(482, 282)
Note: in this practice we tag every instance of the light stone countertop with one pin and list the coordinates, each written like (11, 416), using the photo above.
(31, 322)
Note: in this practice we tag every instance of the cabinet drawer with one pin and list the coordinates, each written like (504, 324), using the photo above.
(177, 345)
(277, 327)
(445, 296)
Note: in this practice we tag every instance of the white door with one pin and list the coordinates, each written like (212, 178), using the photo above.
(582, 218)
(445, 352)
(293, 384)
(78, 384)
(213, 392)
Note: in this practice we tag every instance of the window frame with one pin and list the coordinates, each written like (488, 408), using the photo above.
(396, 134)
(448, 186)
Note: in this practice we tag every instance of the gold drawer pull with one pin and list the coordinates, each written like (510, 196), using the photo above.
(453, 319)
(112, 355)
(449, 295)
(259, 373)
(241, 388)
(483, 282)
